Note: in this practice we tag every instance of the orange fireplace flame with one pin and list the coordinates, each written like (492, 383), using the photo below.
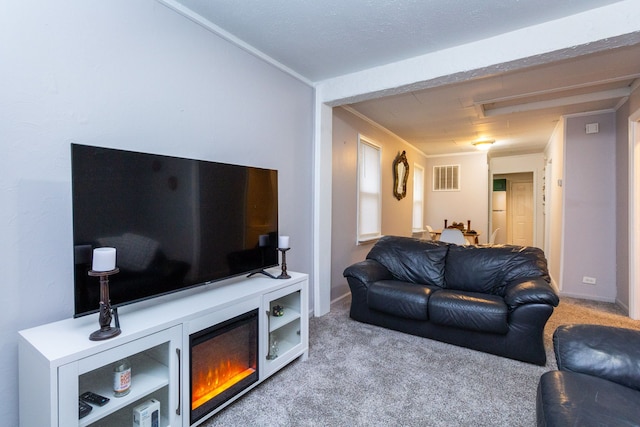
(215, 380)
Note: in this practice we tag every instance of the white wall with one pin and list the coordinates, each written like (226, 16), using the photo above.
(132, 75)
(470, 203)
(396, 214)
(582, 207)
(623, 230)
(589, 208)
(622, 205)
(554, 203)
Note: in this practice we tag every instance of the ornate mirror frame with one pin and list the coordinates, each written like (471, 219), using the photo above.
(400, 176)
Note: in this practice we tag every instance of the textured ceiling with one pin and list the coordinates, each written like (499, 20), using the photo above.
(320, 39)
(317, 40)
(519, 109)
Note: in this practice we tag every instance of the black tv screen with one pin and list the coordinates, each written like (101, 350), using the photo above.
(175, 222)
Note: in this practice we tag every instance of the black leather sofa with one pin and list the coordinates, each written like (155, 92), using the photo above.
(495, 299)
(598, 381)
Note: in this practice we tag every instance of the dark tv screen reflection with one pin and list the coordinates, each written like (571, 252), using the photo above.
(176, 223)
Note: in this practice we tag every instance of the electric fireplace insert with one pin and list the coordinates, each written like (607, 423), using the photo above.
(224, 362)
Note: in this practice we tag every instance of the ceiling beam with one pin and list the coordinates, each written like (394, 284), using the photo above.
(557, 102)
(588, 84)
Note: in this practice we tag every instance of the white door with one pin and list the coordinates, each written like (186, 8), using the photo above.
(522, 213)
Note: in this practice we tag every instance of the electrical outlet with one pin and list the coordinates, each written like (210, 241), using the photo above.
(588, 280)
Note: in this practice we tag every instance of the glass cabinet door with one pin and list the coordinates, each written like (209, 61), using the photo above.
(284, 337)
(154, 361)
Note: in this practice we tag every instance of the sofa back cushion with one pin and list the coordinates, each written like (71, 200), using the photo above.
(488, 269)
(412, 260)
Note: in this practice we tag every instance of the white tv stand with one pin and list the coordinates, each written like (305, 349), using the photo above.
(58, 361)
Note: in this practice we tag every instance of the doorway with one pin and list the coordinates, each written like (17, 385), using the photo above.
(513, 209)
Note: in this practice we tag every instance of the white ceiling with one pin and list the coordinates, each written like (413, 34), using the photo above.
(319, 40)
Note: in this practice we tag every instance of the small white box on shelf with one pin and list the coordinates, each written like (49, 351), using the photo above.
(147, 414)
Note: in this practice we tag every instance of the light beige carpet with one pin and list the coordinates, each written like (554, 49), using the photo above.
(363, 375)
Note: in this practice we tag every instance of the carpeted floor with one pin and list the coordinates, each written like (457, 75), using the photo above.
(363, 375)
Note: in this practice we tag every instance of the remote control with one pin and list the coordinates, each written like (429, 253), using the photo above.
(83, 409)
(94, 398)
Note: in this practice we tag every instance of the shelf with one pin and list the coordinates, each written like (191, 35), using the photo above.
(148, 375)
(289, 339)
(125, 419)
(277, 322)
(283, 347)
(124, 416)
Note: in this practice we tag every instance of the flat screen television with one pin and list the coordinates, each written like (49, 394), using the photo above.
(176, 223)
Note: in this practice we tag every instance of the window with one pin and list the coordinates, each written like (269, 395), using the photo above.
(418, 198)
(369, 194)
(446, 178)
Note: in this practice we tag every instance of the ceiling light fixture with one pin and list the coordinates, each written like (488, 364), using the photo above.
(484, 145)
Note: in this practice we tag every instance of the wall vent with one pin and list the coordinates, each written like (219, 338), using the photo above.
(592, 128)
(446, 178)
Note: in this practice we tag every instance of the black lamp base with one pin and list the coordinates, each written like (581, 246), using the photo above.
(106, 312)
(284, 274)
(104, 334)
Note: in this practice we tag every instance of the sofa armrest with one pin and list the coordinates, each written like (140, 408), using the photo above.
(530, 291)
(602, 351)
(368, 271)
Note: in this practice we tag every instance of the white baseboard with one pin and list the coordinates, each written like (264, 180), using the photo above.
(341, 297)
(587, 297)
(623, 306)
(311, 312)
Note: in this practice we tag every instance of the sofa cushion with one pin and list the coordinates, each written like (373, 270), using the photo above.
(412, 260)
(403, 299)
(488, 269)
(469, 310)
(575, 399)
